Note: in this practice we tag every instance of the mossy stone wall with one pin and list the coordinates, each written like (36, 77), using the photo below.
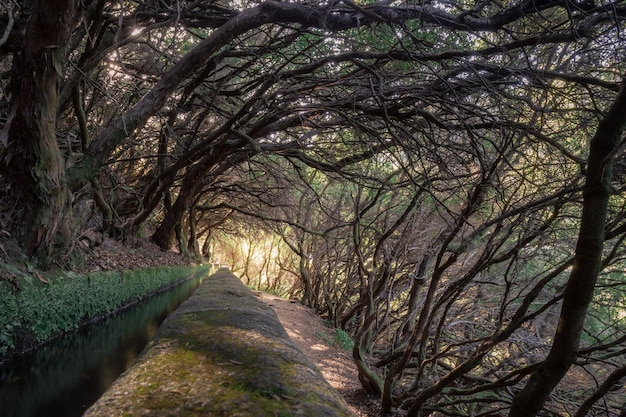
(221, 353)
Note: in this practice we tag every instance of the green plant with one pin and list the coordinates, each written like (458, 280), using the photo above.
(327, 339)
(8, 318)
(38, 311)
(340, 339)
(343, 340)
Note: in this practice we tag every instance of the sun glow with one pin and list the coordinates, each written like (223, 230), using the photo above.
(260, 259)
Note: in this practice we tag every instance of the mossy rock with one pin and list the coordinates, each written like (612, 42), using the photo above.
(221, 353)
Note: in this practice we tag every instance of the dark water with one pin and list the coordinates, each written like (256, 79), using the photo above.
(64, 378)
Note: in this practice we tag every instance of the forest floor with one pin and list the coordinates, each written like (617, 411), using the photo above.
(315, 340)
(306, 329)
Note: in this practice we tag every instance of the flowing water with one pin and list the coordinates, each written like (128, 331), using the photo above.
(63, 378)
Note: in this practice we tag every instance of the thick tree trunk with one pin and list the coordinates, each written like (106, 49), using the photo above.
(35, 162)
(206, 247)
(193, 246)
(164, 234)
(587, 261)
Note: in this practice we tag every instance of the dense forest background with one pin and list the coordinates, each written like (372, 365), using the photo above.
(442, 179)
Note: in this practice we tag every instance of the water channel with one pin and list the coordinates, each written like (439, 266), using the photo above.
(63, 378)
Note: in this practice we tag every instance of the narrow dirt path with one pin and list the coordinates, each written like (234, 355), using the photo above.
(308, 331)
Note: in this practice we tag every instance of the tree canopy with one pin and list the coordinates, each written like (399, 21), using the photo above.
(443, 180)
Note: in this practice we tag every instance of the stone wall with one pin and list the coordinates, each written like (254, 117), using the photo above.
(221, 353)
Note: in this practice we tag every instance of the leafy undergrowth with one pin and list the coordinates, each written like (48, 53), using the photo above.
(37, 306)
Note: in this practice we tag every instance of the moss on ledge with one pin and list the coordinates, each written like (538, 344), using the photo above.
(221, 353)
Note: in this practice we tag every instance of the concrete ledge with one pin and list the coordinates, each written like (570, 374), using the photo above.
(221, 353)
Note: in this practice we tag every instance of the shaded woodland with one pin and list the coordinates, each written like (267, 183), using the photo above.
(443, 180)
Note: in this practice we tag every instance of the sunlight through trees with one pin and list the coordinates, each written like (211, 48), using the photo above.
(442, 180)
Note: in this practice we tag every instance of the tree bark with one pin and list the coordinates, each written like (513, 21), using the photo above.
(35, 162)
(587, 261)
(193, 246)
(164, 234)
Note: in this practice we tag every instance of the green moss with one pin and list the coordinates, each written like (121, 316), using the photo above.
(174, 374)
(222, 353)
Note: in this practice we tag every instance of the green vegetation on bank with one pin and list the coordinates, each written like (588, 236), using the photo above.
(34, 311)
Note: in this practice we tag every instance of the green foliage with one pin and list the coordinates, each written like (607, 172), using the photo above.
(37, 311)
(608, 310)
(340, 339)
(326, 338)
(343, 340)
(9, 317)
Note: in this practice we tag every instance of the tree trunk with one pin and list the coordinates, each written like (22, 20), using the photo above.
(182, 239)
(164, 234)
(193, 246)
(35, 163)
(587, 261)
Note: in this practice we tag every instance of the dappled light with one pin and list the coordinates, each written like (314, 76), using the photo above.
(257, 257)
(440, 181)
